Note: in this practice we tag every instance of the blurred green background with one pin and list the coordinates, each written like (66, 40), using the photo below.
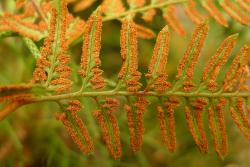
(31, 136)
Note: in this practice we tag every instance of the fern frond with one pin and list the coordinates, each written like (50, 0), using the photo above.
(52, 73)
(196, 100)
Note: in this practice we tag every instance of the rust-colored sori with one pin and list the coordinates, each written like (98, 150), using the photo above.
(131, 92)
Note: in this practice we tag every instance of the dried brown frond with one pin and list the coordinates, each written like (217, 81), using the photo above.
(76, 32)
(217, 126)
(24, 28)
(18, 87)
(192, 12)
(234, 12)
(12, 102)
(214, 12)
(215, 63)
(83, 4)
(9, 108)
(16, 97)
(144, 32)
(173, 21)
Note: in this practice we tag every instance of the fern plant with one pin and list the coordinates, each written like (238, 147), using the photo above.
(220, 88)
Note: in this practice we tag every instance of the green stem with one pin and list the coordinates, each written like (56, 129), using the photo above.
(151, 93)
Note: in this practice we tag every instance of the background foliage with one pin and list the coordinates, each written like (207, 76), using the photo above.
(32, 137)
